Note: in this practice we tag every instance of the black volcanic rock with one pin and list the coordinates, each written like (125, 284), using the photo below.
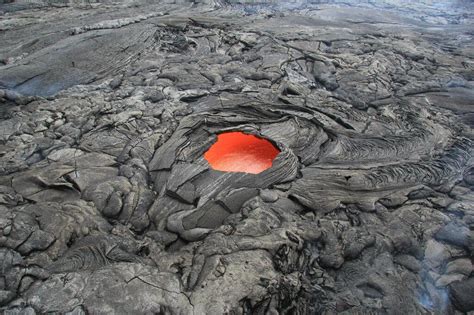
(457, 234)
(461, 293)
(107, 204)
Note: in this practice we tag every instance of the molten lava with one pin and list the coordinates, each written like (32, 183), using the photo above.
(239, 152)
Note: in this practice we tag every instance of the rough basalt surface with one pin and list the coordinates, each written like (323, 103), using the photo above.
(107, 204)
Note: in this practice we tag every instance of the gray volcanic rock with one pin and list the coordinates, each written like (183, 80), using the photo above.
(107, 204)
(462, 295)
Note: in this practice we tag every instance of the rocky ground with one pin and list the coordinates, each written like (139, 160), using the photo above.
(108, 206)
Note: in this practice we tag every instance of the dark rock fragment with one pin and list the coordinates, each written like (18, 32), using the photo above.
(457, 234)
(461, 294)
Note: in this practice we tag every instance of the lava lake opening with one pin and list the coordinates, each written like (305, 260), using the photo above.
(240, 152)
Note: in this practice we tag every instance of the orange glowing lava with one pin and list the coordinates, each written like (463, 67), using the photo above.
(239, 152)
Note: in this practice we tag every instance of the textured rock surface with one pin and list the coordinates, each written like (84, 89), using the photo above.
(108, 206)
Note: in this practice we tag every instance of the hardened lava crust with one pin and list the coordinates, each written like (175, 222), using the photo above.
(109, 206)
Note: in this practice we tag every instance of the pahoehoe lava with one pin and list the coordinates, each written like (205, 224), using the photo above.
(353, 122)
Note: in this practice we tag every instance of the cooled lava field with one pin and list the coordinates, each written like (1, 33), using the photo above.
(236, 157)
